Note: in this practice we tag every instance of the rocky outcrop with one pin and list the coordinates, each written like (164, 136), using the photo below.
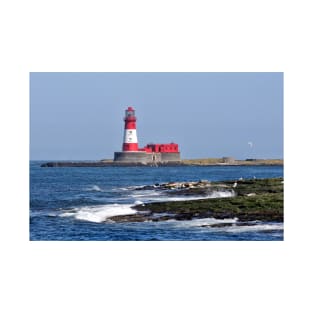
(265, 203)
(163, 162)
(108, 164)
(198, 188)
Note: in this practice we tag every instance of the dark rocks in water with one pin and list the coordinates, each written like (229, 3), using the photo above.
(102, 163)
(145, 188)
(229, 224)
(130, 218)
(177, 185)
(200, 188)
(219, 225)
(253, 223)
(265, 205)
(75, 164)
(134, 218)
(201, 215)
(162, 218)
(185, 216)
(109, 164)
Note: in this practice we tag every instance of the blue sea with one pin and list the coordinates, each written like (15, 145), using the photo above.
(75, 203)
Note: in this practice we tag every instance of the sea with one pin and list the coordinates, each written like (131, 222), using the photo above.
(76, 203)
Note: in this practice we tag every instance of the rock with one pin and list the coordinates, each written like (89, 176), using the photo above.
(220, 225)
(130, 218)
(184, 217)
(162, 218)
(265, 203)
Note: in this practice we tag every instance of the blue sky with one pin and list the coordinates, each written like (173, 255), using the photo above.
(79, 116)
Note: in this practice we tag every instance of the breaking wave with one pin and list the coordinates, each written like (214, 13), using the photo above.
(230, 225)
(98, 214)
(255, 228)
(94, 188)
(160, 197)
(204, 222)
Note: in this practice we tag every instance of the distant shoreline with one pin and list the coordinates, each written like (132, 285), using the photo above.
(229, 161)
(186, 162)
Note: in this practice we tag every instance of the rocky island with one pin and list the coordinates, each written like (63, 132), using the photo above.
(187, 162)
(249, 201)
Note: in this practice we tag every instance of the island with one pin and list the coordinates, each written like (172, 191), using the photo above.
(251, 200)
(225, 161)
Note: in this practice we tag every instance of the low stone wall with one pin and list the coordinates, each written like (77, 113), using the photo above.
(130, 157)
(146, 157)
(170, 157)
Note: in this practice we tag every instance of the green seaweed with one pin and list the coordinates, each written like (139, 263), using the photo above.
(256, 199)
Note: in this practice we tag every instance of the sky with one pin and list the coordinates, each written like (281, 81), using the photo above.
(79, 116)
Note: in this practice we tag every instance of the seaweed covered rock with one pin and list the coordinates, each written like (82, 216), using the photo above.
(253, 200)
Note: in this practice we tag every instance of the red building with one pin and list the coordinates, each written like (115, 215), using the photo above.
(161, 148)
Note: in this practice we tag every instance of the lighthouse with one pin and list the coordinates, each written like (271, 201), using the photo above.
(130, 142)
(152, 153)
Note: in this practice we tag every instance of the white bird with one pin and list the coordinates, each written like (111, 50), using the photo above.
(235, 184)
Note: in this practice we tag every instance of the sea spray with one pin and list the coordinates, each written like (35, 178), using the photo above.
(98, 214)
(94, 188)
(153, 196)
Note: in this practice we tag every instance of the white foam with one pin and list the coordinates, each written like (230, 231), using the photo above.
(138, 202)
(147, 192)
(254, 228)
(94, 188)
(222, 194)
(66, 214)
(204, 222)
(98, 214)
(130, 187)
(236, 228)
(158, 197)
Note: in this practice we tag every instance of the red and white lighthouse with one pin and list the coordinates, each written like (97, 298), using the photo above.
(130, 142)
(150, 154)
